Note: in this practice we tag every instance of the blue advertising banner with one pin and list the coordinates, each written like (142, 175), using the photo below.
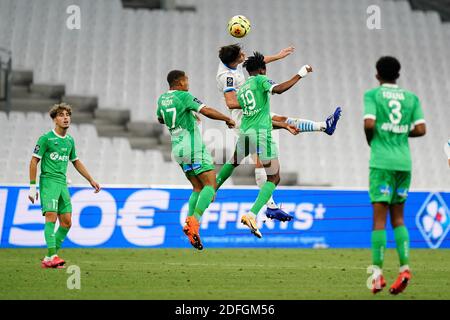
(153, 217)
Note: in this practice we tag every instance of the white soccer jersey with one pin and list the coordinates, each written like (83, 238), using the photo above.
(229, 79)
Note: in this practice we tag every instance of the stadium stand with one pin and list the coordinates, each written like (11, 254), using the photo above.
(113, 69)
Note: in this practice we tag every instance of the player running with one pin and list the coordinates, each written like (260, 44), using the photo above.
(55, 149)
(176, 109)
(230, 77)
(391, 115)
(255, 135)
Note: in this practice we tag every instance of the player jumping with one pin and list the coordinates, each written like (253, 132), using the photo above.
(255, 135)
(55, 149)
(391, 115)
(176, 109)
(230, 77)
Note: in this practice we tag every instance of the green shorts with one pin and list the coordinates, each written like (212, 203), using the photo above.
(194, 162)
(260, 143)
(55, 197)
(388, 185)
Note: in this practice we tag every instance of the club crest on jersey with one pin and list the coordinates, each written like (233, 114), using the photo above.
(36, 149)
(229, 81)
(433, 220)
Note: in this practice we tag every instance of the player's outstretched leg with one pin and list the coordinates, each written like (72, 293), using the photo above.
(273, 211)
(332, 121)
(198, 207)
(249, 219)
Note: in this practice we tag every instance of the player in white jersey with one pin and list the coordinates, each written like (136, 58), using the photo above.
(230, 77)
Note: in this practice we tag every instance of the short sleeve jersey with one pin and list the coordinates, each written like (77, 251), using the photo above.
(55, 153)
(229, 79)
(254, 98)
(395, 111)
(178, 108)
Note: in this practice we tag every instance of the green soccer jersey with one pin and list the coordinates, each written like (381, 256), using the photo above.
(177, 109)
(395, 112)
(254, 98)
(55, 152)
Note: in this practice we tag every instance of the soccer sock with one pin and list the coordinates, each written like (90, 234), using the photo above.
(306, 125)
(401, 236)
(263, 196)
(261, 178)
(49, 233)
(224, 174)
(60, 235)
(204, 199)
(193, 202)
(379, 240)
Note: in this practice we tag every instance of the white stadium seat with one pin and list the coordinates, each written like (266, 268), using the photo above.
(122, 56)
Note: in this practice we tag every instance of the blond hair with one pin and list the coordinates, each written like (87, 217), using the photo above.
(60, 107)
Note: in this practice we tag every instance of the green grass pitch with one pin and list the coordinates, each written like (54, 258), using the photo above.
(218, 274)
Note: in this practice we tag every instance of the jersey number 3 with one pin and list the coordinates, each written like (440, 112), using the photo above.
(395, 116)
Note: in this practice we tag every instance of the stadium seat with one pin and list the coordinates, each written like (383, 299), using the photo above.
(124, 63)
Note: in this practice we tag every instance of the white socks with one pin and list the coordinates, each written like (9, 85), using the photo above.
(306, 125)
(261, 178)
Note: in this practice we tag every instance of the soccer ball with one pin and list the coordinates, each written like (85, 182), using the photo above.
(239, 26)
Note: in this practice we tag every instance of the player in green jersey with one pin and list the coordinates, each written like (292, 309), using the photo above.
(391, 116)
(56, 148)
(255, 136)
(176, 109)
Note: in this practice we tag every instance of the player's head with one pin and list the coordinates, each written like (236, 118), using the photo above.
(388, 69)
(255, 64)
(61, 113)
(232, 54)
(178, 80)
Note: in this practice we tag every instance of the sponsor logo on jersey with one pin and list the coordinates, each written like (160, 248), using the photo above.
(56, 157)
(198, 101)
(271, 82)
(36, 149)
(229, 81)
(433, 220)
(395, 128)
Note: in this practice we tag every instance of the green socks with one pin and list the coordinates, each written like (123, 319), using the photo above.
(204, 199)
(379, 241)
(263, 196)
(224, 174)
(402, 241)
(60, 235)
(379, 245)
(49, 233)
(193, 202)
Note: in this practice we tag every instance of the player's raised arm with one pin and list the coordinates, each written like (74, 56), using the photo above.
(84, 172)
(282, 87)
(280, 55)
(216, 115)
